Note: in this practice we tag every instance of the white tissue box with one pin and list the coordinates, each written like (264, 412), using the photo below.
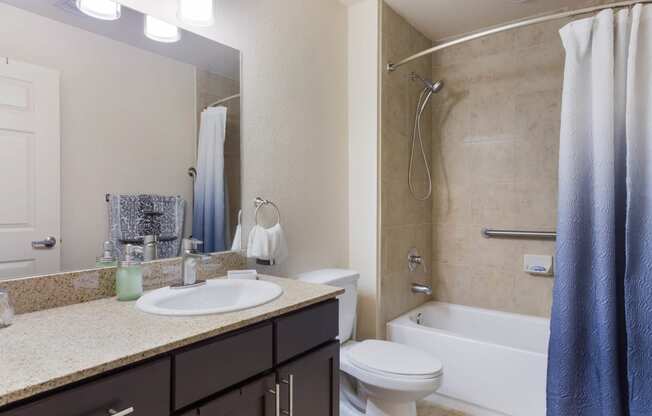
(243, 274)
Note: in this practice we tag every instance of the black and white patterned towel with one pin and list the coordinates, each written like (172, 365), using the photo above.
(131, 217)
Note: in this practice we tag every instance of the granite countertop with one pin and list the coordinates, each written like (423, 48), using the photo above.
(51, 348)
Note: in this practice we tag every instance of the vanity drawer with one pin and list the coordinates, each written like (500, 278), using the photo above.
(301, 331)
(217, 365)
(145, 388)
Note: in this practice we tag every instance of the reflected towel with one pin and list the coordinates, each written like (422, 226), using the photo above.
(237, 240)
(267, 244)
(129, 222)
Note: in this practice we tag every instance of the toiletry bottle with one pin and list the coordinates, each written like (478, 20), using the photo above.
(6, 310)
(129, 277)
(108, 258)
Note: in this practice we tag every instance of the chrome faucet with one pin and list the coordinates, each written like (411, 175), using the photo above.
(421, 289)
(191, 256)
(150, 248)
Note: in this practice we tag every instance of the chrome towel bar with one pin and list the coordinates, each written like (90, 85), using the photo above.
(534, 235)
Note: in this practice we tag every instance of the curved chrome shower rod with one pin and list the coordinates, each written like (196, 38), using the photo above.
(394, 66)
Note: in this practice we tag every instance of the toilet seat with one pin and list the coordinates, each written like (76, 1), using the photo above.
(383, 377)
(394, 360)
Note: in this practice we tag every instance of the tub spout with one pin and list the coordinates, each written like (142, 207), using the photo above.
(421, 289)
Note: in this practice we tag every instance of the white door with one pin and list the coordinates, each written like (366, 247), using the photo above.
(29, 169)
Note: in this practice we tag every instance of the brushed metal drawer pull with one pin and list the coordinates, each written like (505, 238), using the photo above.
(277, 398)
(290, 383)
(125, 412)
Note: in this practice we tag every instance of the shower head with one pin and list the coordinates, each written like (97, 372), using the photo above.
(434, 86)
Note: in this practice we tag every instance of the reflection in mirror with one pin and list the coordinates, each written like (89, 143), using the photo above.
(108, 138)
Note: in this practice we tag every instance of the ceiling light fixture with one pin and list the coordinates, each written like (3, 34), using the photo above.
(161, 31)
(196, 12)
(100, 9)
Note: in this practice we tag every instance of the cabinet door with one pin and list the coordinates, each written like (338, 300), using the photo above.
(254, 399)
(310, 384)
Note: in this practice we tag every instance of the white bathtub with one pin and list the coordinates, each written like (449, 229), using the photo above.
(494, 362)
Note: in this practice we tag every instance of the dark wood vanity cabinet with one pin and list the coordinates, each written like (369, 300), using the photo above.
(287, 366)
(306, 386)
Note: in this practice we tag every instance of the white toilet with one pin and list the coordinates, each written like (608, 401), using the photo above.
(378, 378)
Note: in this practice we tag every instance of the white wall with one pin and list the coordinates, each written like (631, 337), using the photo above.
(294, 109)
(363, 45)
(144, 147)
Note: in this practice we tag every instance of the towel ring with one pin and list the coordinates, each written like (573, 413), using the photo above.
(260, 202)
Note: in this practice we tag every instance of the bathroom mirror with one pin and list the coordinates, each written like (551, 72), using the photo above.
(114, 126)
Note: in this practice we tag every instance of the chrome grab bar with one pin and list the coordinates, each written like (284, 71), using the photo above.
(537, 235)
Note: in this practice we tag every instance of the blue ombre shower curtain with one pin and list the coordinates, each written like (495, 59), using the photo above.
(209, 211)
(600, 355)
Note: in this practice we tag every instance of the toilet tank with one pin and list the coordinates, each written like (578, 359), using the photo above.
(347, 280)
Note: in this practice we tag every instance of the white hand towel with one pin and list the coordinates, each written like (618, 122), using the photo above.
(267, 244)
(278, 244)
(237, 240)
(257, 245)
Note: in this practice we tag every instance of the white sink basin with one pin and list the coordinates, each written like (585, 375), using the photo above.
(216, 296)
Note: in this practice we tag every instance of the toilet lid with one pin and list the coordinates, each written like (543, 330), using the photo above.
(394, 359)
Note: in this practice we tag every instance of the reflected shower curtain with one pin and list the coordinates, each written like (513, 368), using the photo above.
(209, 211)
(600, 357)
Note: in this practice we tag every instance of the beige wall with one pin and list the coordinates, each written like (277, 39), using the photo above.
(211, 88)
(294, 115)
(405, 221)
(363, 45)
(145, 147)
(496, 136)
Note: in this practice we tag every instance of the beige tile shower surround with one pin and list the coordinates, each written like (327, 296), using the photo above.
(405, 222)
(32, 294)
(495, 147)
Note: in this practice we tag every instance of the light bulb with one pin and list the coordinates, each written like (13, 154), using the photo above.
(100, 9)
(196, 12)
(161, 31)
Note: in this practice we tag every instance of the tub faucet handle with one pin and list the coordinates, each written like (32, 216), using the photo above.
(415, 260)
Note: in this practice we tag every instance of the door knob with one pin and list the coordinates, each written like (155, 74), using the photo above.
(48, 243)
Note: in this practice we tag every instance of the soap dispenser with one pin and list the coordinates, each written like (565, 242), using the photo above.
(108, 258)
(129, 277)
